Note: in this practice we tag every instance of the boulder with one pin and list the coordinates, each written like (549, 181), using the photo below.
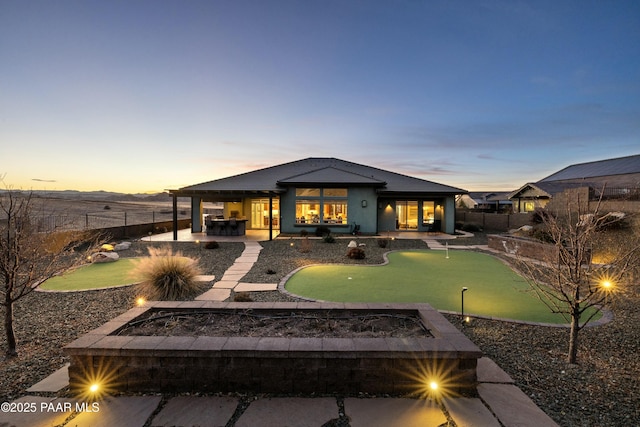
(122, 246)
(104, 257)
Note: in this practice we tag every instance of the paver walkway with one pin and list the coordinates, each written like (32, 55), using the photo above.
(499, 403)
(221, 290)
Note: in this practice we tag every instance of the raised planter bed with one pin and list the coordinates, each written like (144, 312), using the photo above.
(276, 364)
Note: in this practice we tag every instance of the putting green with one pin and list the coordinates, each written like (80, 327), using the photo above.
(494, 289)
(94, 276)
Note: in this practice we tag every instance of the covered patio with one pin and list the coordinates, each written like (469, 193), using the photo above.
(185, 235)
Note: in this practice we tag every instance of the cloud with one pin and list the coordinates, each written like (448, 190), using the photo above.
(43, 180)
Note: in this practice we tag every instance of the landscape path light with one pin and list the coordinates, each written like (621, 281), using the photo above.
(464, 289)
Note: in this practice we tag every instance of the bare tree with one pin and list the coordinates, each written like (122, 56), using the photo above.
(571, 281)
(28, 258)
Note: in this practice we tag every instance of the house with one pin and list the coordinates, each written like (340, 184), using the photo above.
(611, 178)
(492, 201)
(338, 194)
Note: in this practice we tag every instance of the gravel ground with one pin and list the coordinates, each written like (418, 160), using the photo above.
(603, 389)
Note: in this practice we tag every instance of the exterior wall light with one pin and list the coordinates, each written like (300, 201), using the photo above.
(363, 203)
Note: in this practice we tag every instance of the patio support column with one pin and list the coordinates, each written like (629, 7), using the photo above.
(175, 216)
(196, 214)
(270, 217)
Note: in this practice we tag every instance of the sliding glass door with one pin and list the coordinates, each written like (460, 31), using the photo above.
(260, 213)
(407, 215)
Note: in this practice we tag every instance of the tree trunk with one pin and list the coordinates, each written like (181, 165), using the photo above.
(573, 339)
(8, 327)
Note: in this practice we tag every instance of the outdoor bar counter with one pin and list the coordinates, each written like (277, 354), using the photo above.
(225, 227)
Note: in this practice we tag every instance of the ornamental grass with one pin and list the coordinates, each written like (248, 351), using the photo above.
(166, 276)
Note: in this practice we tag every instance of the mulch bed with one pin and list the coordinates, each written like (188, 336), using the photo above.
(276, 324)
(603, 389)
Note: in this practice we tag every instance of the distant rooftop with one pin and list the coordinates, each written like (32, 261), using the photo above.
(609, 167)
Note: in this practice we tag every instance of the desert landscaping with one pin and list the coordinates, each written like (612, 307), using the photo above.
(602, 389)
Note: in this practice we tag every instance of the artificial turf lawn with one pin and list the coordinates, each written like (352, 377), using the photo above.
(428, 276)
(94, 276)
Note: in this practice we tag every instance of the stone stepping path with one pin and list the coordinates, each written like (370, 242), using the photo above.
(221, 290)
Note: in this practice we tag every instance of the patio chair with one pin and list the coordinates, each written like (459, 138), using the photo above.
(233, 225)
(222, 228)
(355, 229)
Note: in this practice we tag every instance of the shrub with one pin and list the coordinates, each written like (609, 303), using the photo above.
(356, 253)
(167, 277)
(471, 227)
(212, 245)
(322, 230)
(540, 216)
(305, 245)
(304, 233)
(329, 239)
(382, 243)
(270, 271)
(459, 225)
(242, 297)
(541, 234)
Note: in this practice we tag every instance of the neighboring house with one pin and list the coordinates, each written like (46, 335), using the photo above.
(611, 178)
(486, 201)
(338, 194)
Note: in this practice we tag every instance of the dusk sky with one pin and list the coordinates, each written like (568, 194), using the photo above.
(143, 96)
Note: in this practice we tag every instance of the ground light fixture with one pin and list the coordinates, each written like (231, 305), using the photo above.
(140, 301)
(464, 289)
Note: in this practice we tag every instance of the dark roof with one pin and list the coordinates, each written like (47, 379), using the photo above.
(550, 188)
(489, 196)
(618, 166)
(319, 171)
(331, 175)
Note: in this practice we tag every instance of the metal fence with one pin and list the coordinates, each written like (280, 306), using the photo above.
(98, 220)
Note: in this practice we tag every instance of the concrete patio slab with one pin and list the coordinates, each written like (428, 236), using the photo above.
(393, 412)
(215, 295)
(290, 412)
(256, 287)
(130, 411)
(53, 383)
(512, 406)
(36, 411)
(196, 411)
(470, 412)
(489, 372)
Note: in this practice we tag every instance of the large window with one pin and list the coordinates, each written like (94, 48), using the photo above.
(428, 213)
(321, 205)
